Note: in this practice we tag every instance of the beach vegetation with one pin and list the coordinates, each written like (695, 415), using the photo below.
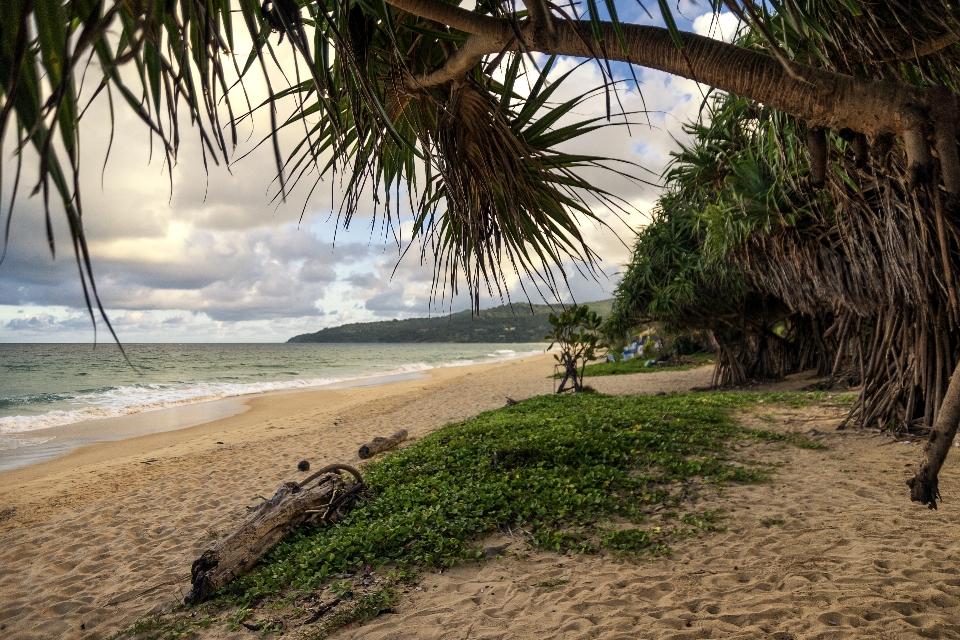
(581, 473)
(140, 628)
(377, 602)
(546, 468)
(340, 588)
(237, 618)
(639, 365)
(170, 626)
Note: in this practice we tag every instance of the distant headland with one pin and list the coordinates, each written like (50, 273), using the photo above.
(519, 323)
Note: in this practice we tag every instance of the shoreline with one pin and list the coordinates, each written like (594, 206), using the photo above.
(116, 394)
(241, 426)
(62, 440)
(34, 446)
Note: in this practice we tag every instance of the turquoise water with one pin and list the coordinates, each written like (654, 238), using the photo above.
(44, 385)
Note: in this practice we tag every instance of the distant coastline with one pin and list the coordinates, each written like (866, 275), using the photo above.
(520, 323)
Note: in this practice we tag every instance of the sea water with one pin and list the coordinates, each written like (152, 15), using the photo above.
(55, 388)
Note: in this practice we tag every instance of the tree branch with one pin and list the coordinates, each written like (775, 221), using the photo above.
(540, 16)
(822, 98)
(459, 63)
(455, 17)
(920, 49)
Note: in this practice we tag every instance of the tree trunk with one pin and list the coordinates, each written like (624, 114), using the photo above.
(924, 486)
(240, 551)
(823, 98)
(569, 375)
(381, 444)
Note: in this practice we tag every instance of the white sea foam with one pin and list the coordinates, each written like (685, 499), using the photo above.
(128, 400)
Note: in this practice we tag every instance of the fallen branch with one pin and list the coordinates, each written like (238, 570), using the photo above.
(291, 505)
(381, 444)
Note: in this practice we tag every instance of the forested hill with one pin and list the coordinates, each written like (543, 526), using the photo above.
(500, 324)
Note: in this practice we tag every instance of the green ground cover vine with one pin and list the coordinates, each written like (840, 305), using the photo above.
(555, 467)
(569, 473)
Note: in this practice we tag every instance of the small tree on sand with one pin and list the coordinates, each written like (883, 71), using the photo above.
(576, 331)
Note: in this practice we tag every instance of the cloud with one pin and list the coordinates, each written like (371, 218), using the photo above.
(218, 259)
(229, 275)
(40, 322)
(46, 323)
(723, 26)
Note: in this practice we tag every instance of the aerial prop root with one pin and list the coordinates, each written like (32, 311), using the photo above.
(817, 148)
(858, 143)
(919, 158)
(944, 116)
(928, 125)
(924, 486)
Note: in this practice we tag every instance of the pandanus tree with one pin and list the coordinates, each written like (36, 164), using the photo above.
(862, 255)
(728, 184)
(418, 96)
(576, 331)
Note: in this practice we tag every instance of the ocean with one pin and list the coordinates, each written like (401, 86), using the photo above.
(50, 391)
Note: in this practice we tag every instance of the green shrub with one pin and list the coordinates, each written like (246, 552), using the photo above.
(577, 332)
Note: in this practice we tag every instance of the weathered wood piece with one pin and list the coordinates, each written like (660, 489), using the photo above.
(291, 505)
(381, 444)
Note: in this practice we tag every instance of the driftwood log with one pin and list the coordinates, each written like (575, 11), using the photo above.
(291, 505)
(381, 444)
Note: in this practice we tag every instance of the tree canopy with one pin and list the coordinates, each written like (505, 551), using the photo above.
(801, 247)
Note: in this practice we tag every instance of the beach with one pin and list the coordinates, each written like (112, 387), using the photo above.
(101, 537)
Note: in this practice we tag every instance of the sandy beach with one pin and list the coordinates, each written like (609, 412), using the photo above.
(97, 539)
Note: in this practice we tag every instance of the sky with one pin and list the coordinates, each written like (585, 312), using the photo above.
(217, 259)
